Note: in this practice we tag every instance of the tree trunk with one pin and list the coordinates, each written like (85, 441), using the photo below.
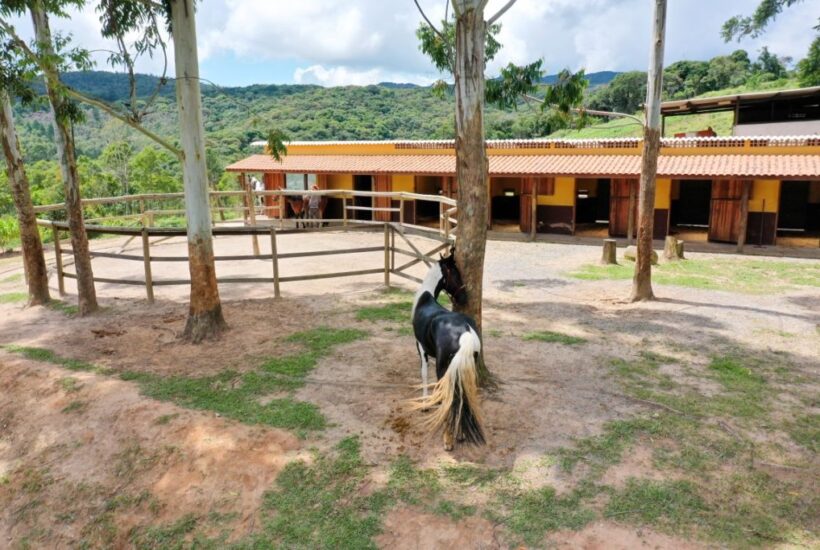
(642, 280)
(33, 259)
(205, 313)
(86, 294)
(471, 157)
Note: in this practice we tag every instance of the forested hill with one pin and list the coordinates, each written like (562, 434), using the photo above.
(114, 86)
(236, 116)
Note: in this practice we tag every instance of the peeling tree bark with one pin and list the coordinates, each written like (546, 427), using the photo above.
(33, 259)
(86, 294)
(471, 157)
(205, 318)
(642, 280)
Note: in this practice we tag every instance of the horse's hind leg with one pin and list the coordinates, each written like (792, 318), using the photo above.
(423, 357)
(448, 440)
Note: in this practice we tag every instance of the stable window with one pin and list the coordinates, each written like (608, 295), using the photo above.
(299, 182)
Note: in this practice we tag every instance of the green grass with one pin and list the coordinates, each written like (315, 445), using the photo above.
(530, 515)
(48, 356)
(13, 297)
(76, 406)
(63, 307)
(669, 504)
(168, 536)
(805, 430)
(468, 474)
(69, 384)
(16, 278)
(737, 275)
(734, 376)
(394, 312)
(554, 337)
(319, 505)
(241, 396)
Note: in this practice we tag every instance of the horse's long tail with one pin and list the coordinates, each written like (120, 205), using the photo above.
(454, 398)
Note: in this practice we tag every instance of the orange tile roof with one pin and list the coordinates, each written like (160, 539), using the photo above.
(741, 165)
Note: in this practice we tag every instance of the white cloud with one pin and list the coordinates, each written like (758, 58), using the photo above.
(345, 76)
(365, 41)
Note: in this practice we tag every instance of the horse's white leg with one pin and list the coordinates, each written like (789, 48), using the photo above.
(423, 357)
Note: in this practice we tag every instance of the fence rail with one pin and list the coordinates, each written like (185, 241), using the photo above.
(387, 268)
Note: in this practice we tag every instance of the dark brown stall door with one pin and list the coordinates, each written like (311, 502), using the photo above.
(619, 207)
(724, 213)
(525, 223)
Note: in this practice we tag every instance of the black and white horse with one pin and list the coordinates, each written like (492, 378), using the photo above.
(453, 340)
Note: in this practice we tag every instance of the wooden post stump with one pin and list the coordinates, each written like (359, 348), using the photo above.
(608, 256)
(670, 249)
(679, 250)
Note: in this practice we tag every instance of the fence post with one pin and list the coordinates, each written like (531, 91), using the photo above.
(142, 211)
(442, 214)
(58, 256)
(146, 259)
(275, 260)
(386, 254)
(282, 209)
(344, 210)
(252, 214)
(401, 211)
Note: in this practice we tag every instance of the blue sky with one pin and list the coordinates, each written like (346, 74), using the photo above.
(339, 42)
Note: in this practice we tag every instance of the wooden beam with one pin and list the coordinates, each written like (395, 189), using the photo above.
(744, 214)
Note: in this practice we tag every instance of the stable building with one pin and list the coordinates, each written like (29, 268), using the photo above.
(580, 186)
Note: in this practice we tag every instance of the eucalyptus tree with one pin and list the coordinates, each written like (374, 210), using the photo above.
(14, 74)
(642, 278)
(462, 48)
(52, 57)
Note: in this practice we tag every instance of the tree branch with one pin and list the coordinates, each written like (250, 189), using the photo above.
(79, 96)
(5, 26)
(424, 15)
(500, 12)
(594, 112)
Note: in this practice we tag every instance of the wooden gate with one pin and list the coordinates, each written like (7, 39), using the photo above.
(724, 211)
(619, 207)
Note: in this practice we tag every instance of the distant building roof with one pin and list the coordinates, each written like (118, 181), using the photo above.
(691, 166)
(729, 102)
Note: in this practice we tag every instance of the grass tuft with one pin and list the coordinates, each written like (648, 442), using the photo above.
(48, 356)
(554, 337)
(670, 504)
(530, 515)
(13, 297)
(750, 276)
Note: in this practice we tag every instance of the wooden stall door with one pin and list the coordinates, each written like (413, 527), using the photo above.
(619, 207)
(724, 212)
(382, 184)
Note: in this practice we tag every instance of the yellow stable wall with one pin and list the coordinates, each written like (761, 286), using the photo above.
(404, 183)
(564, 193)
(663, 193)
(765, 196)
(340, 181)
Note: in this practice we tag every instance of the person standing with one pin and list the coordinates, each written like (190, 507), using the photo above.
(314, 210)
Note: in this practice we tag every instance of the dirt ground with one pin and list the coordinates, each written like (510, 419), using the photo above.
(66, 471)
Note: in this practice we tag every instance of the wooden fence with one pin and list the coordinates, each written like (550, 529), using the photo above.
(393, 233)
